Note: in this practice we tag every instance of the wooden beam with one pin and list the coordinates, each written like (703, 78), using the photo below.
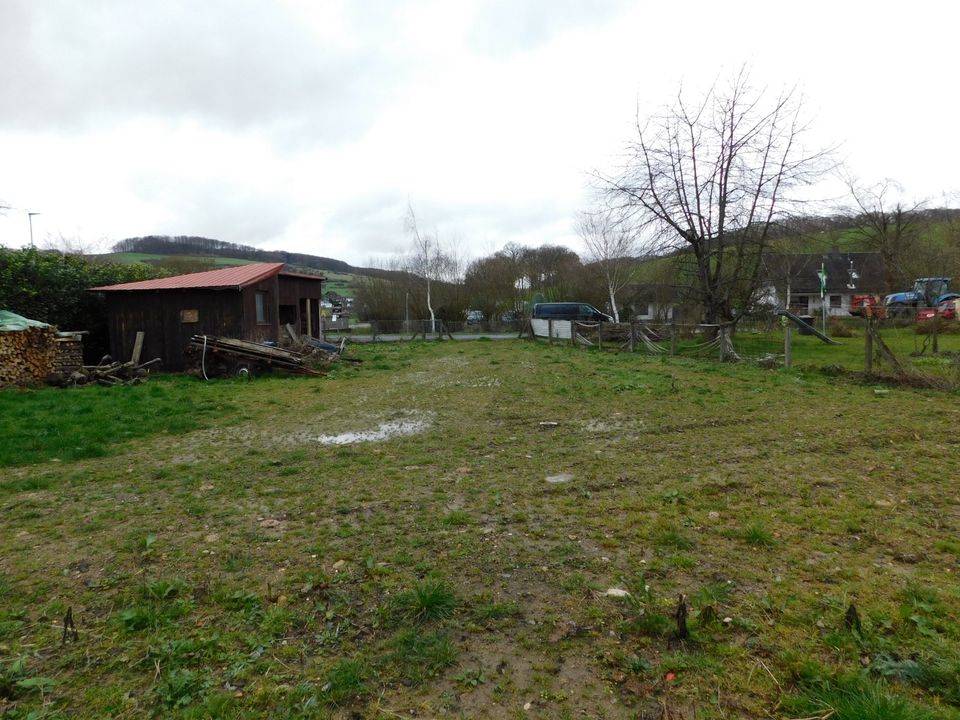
(137, 348)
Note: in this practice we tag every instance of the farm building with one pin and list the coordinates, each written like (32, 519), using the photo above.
(793, 280)
(248, 302)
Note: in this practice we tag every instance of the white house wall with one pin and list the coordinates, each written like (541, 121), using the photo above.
(815, 305)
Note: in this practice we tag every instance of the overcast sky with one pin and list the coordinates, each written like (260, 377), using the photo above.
(307, 125)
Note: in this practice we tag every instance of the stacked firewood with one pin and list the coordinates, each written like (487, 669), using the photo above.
(69, 354)
(27, 356)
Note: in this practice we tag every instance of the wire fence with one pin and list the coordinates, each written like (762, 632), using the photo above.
(922, 346)
(425, 329)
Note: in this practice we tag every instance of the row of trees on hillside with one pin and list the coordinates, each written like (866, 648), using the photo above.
(192, 245)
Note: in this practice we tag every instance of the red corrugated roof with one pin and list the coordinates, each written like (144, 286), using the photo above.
(232, 277)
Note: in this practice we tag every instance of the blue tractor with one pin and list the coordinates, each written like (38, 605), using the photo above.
(927, 292)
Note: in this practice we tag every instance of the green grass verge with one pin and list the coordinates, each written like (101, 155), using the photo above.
(67, 425)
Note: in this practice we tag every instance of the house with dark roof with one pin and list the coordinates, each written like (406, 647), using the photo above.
(247, 302)
(792, 280)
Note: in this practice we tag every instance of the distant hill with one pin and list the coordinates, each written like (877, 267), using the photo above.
(206, 247)
(188, 253)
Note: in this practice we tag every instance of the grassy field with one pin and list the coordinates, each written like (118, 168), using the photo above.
(128, 258)
(261, 554)
(341, 283)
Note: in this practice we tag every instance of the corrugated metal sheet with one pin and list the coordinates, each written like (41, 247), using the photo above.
(236, 277)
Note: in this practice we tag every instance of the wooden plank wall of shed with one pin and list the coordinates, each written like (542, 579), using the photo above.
(218, 313)
(269, 330)
(130, 312)
(158, 314)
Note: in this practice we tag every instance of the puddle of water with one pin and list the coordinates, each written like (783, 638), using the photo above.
(385, 431)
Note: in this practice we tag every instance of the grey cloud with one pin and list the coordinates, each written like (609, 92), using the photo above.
(374, 224)
(231, 212)
(236, 64)
(505, 27)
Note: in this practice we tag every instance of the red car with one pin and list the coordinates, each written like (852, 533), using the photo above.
(947, 310)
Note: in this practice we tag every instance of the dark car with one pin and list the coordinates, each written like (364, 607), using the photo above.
(581, 312)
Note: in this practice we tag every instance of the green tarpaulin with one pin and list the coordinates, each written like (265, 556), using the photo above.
(11, 322)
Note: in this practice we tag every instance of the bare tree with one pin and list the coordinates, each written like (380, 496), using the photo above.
(708, 182)
(75, 245)
(887, 226)
(612, 245)
(428, 260)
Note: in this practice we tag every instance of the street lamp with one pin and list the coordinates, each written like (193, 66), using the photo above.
(30, 218)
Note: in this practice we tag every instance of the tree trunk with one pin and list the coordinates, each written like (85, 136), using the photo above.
(433, 321)
(613, 305)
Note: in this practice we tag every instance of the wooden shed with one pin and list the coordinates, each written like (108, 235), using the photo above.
(249, 302)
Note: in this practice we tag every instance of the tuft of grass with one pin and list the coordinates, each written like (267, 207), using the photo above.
(180, 687)
(27, 484)
(276, 621)
(456, 518)
(163, 589)
(153, 615)
(347, 680)
(429, 599)
(673, 538)
(857, 699)
(713, 593)
(418, 655)
(757, 535)
(180, 652)
(239, 601)
(948, 546)
(644, 615)
(485, 611)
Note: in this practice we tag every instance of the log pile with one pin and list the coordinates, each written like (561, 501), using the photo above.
(217, 357)
(107, 372)
(69, 355)
(27, 356)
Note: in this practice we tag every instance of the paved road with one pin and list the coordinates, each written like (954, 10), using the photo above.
(406, 338)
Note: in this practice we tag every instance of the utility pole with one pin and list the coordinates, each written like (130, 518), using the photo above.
(823, 295)
(30, 218)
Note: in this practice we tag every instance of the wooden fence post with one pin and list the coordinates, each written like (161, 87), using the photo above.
(673, 336)
(787, 346)
(868, 346)
(550, 331)
(600, 335)
(936, 330)
(633, 336)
